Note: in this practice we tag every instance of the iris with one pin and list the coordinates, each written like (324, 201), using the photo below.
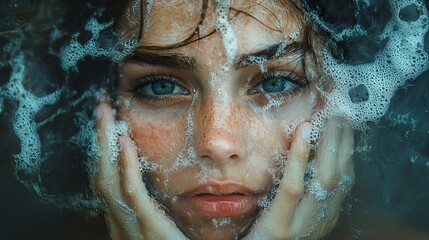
(273, 84)
(162, 87)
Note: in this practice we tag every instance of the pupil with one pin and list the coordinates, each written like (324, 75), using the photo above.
(273, 85)
(162, 87)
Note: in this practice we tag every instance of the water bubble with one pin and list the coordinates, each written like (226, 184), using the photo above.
(359, 94)
(84, 37)
(410, 13)
(107, 39)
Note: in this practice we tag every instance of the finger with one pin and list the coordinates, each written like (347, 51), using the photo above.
(309, 210)
(326, 160)
(107, 180)
(151, 217)
(131, 181)
(104, 119)
(105, 168)
(346, 150)
(318, 211)
(291, 187)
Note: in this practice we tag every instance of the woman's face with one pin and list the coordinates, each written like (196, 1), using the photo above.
(213, 119)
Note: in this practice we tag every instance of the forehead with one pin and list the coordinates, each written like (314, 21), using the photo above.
(169, 22)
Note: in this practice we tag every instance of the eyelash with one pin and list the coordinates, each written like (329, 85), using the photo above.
(135, 86)
(300, 82)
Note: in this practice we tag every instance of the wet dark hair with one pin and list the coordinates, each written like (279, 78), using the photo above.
(355, 49)
(117, 9)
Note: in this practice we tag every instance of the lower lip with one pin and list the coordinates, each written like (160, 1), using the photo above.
(221, 206)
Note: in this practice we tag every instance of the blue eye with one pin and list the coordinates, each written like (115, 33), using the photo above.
(274, 84)
(278, 82)
(159, 86)
(162, 87)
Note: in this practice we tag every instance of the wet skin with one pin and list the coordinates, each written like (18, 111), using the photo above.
(216, 119)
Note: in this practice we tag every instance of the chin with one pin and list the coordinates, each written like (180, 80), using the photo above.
(225, 228)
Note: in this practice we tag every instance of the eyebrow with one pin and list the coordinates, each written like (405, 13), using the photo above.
(273, 52)
(171, 60)
(180, 61)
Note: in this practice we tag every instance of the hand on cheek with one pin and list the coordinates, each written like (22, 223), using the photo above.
(131, 213)
(310, 210)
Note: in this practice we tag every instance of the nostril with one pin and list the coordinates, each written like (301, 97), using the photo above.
(234, 157)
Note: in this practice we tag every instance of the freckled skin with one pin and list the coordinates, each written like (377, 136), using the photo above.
(154, 134)
(229, 134)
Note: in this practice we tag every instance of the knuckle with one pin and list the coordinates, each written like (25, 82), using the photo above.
(128, 190)
(129, 193)
(326, 183)
(294, 191)
(329, 181)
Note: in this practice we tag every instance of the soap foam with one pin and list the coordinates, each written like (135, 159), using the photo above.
(229, 35)
(403, 59)
(77, 51)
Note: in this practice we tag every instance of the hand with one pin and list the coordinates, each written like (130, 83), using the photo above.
(309, 210)
(131, 213)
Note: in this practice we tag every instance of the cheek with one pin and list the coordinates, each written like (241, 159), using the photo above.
(157, 138)
(273, 131)
(154, 140)
(300, 110)
(267, 143)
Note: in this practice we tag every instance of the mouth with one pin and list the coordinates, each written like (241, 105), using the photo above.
(217, 200)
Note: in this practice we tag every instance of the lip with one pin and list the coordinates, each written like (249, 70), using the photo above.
(220, 199)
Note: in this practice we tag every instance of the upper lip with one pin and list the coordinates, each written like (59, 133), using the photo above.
(220, 188)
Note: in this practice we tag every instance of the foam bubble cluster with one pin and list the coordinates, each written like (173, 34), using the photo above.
(362, 92)
(112, 133)
(229, 35)
(98, 42)
(24, 125)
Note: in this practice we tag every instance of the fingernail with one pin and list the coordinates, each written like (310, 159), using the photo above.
(306, 132)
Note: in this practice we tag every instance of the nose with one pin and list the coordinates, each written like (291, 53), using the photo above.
(219, 134)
